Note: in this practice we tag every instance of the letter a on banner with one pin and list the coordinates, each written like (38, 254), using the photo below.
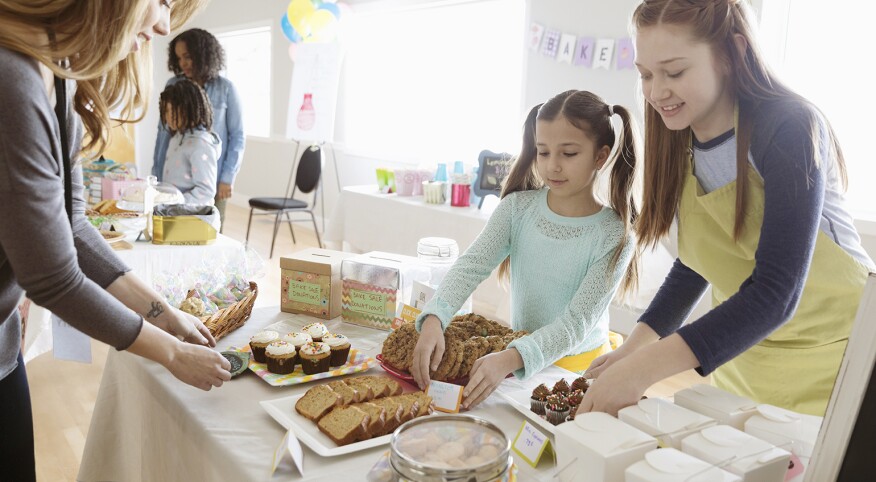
(567, 48)
(603, 53)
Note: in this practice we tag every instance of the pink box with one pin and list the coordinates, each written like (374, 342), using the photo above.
(112, 188)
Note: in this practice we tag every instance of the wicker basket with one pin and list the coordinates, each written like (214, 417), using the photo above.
(232, 317)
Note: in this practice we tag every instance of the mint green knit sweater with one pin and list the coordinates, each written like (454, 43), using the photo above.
(562, 277)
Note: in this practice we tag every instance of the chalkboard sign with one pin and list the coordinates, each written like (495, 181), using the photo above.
(493, 167)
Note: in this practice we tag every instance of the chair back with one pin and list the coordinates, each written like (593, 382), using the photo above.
(309, 170)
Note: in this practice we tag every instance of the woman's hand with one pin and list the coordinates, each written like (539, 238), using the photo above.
(602, 362)
(186, 326)
(619, 385)
(428, 352)
(487, 373)
(199, 366)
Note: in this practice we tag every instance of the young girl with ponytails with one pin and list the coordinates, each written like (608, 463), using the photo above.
(567, 252)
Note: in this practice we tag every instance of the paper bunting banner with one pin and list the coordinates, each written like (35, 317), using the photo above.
(535, 33)
(567, 48)
(584, 52)
(626, 54)
(551, 43)
(603, 53)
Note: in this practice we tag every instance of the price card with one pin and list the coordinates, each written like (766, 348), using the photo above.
(530, 444)
(289, 445)
(445, 396)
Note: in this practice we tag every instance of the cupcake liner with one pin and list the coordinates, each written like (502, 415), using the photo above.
(339, 357)
(556, 417)
(537, 406)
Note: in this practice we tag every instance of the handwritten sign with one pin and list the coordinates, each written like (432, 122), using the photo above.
(492, 169)
(445, 396)
(530, 444)
(289, 445)
(304, 292)
(368, 302)
(409, 313)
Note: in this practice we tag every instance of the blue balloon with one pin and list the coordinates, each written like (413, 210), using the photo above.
(331, 7)
(289, 30)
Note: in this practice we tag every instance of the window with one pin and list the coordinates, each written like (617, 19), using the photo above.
(436, 82)
(248, 67)
(819, 49)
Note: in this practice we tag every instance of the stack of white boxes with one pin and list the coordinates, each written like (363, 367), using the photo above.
(665, 421)
(671, 465)
(795, 432)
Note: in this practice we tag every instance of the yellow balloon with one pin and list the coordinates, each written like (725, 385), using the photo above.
(323, 25)
(299, 12)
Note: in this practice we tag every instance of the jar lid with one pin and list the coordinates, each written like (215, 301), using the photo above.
(448, 448)
(438, 248)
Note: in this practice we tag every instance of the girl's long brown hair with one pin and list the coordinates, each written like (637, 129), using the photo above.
(592, 115)
(92, 34)
(716, 22)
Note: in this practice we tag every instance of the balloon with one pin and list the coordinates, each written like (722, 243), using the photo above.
(289, 30)
(298, 13)
(331, 7)
(293, 51)
(323, 26)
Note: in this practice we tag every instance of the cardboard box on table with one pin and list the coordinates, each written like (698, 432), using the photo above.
(725, 407)
(672, 465)
(738, 452)
(310, 282)
(597, 446)
(795, 432)
(665, 421)
(373, 285)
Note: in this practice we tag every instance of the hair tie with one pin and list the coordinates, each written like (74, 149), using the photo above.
(610, 110)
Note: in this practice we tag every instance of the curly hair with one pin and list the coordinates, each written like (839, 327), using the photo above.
(190, 105)
(208, 56)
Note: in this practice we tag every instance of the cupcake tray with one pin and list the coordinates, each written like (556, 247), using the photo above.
(519, 399)
(357, 362)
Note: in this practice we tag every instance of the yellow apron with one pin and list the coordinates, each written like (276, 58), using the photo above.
(795, 366)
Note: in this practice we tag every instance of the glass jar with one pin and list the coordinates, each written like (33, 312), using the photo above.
(437, 255)
(450, 448)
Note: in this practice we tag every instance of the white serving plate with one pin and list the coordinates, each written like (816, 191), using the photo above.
(519, 399)
(283, 411)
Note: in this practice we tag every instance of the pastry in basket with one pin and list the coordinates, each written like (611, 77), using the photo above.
(193, 306)
(259, 342)
(340, 347)
(281, 357)
(314, 358)
(316, 331)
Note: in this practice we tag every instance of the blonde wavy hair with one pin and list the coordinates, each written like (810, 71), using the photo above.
(92, 35)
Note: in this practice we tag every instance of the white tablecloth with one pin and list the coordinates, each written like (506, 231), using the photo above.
(146, 260)
(365, 220)
(149, 426)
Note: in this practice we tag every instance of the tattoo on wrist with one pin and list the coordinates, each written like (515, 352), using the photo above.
(156, 310)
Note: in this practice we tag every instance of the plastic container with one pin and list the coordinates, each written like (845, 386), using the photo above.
(438, 256)
(444, 448)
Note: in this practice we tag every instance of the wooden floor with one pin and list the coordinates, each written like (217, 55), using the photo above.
(63, 393)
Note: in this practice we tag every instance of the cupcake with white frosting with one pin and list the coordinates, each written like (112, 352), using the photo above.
(260, 341)
(314, 358)
(298, 339)
(281, 357)
(316, 331)
(340, 346)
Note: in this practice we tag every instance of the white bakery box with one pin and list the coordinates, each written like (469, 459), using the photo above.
(597, 446)
(792, 431)
(735, 451)
(672, 465)
(725, 407)
(664, 420)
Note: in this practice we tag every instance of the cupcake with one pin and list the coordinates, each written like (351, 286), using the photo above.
(561, 387)
(314, 358)
(574, 399)
(557, 409)
(340, 347)
(539, 398)
(316, 331)
(281, 357)
(297, 339)
(580, 383)
(259, 342)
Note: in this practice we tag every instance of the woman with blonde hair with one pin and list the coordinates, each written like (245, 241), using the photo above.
(65, 65)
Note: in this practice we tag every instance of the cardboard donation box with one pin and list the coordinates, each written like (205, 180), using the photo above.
(597, 446)
(373, 284)
(738, 452)
(725, 407)
(672, 465)
(664, 420)
(310, 282)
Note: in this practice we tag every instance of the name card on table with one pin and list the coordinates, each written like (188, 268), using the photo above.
(445, 396)
(530, 444)
(289, 445)
(68, 343)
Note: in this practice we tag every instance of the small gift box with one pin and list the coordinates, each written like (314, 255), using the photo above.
(725, 407)
(738, 452)
(311, 282)
(793, 431)
(671, 465)
(664, 420)
(372, 285)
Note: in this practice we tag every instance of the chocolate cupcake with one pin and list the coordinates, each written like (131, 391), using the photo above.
(316, 331)
(561, 387)
(340, 347)
(574, 400)
(259, 342)
(556, 409)
(539, 398)
(580, 383)
(281, 357)
(314, 358)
